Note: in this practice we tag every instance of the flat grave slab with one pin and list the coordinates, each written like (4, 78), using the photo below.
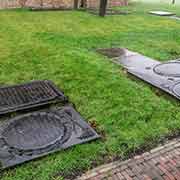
(162, 13)
(165, 76)
(33, 135)
(175, 17)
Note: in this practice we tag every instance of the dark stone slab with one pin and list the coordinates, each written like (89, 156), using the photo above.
(165, 76)
(29, 95)
(162, 13)
(37, 134)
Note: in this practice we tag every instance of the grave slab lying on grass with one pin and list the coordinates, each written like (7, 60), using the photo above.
(28, 95)
(39, 133)
(162, 13)
(165, 76)
(175, 17)
(49, 129)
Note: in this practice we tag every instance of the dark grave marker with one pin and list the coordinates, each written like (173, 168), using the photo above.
(165, 76)
(29, 95)
(39, 133)
(31, 135)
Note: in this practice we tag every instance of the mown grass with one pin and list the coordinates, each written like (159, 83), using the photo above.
(60, 46)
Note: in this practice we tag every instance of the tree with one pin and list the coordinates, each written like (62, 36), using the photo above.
(83, 3)
(22, 3)
(103, 6)
(76, 2)
(41, 3)
(173, 1)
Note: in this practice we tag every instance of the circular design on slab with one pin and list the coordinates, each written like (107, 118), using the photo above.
(37, 131)
(176, 89)
(168, 69)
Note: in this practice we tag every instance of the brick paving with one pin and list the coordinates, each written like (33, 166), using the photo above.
(161, 163)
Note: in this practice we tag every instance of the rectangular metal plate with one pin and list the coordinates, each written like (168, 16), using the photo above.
(29, 95)
(37, 134)
(169, 83)
(165, 76)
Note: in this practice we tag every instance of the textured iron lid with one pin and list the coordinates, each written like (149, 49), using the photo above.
(37, 134)
(25, 96)
(36, 131)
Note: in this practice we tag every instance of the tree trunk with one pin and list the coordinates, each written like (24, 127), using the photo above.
(76, 4)
(83, 3)
(103, 6)
(173, 1)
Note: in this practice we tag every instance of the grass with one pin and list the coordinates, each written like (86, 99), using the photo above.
(60, 46)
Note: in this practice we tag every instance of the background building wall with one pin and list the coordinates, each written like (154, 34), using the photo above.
(55, 3)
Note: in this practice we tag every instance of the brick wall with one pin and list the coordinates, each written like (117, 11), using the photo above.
(9, 4)
(36, 3)
(111, 3)
(57, 3)
(50, 3)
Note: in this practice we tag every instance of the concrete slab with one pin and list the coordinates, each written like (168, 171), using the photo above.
(162, 13)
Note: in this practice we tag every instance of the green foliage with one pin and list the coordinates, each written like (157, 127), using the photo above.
(60, 46)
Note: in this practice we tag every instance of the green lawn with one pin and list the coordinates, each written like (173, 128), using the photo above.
(59, 46)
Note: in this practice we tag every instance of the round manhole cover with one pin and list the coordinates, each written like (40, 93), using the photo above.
(176, 89)
(168, 69)
(37, 131)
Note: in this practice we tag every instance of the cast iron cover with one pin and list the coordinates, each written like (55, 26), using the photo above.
(36, 134)
(25, 96)
(165, 76)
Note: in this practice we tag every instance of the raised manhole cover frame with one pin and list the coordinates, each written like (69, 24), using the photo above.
(57, 97)
(81, 133)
